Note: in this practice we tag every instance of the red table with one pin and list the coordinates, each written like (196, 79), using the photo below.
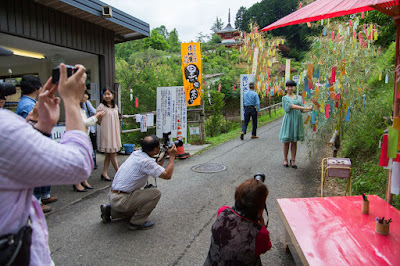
(333, 231)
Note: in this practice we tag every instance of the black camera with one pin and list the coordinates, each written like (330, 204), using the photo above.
(260, 177)
(56, 73)
(6, 89)
(167, 144)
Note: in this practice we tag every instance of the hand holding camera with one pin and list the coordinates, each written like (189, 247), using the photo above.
(72, 88)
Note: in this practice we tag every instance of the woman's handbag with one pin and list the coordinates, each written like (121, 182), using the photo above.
(15, 249)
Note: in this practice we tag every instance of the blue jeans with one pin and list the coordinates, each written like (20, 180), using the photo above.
(250, 111)
(41, 192)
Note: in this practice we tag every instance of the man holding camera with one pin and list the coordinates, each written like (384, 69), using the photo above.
(127, 197)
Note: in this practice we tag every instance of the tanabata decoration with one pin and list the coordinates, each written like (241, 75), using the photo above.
(392, 142)
(331, 79)
(266, 64)
(136, 102)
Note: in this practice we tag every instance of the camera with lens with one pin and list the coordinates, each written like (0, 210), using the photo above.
(56, 73)
(6, 89)
(167, 144)
(260, 177)
(149, 186)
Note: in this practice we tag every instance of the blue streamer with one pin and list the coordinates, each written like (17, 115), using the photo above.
(306, 84)
(364, 97)
(347, 119)
(313, 117)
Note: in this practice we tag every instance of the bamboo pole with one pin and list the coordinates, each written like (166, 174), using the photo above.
(395, 99)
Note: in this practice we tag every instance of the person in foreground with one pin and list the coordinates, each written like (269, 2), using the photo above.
(292, 129)
(128, 198)
(239, 235)
(31, 159)
(251, 103)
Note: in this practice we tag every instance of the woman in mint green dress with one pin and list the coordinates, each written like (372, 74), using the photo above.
(292, 129)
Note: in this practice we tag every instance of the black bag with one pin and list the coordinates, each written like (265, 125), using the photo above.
(15, 249)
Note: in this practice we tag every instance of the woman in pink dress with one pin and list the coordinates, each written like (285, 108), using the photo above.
(110, 133)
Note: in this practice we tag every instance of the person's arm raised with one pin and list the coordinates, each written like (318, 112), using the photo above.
(167, 174)
(71, 90)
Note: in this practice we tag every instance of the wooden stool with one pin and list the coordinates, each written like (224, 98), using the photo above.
(336, 167)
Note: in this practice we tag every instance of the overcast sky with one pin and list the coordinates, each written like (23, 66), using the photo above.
(189, 17)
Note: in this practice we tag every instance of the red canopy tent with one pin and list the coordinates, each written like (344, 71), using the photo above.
(322, 9)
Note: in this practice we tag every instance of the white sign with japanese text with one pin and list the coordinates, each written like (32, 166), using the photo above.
(171, 111)
(57, 133)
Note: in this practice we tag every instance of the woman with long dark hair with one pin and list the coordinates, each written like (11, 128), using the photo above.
(110, 133)
(292, 129)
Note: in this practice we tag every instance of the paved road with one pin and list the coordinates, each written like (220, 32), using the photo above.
(186, 211)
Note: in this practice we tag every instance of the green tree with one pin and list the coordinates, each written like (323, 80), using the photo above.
(156, 41)
(218, 25)
(173, 41)
(163, 31)
(241, 19)
(201, 37)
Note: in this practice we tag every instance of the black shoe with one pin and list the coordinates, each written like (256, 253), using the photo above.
(105, 213)
(105, 178)
(241, 136)
(95, 167)
(87, 187)
(77, 190)
(144, 226)
(293, 166)
(285, 164)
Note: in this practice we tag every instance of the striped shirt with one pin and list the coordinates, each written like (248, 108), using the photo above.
(135, 171)
(28, 160)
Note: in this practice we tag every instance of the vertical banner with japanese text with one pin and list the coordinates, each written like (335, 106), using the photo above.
(191, 70)
(171, 111)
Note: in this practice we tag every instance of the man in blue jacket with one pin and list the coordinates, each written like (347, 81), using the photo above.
(251, 103)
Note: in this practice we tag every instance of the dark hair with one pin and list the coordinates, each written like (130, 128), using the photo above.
(87, 93)
(290, 83)
(149, 143)
(112, 101)
(251, 85)
(250, 197)
(30, 84)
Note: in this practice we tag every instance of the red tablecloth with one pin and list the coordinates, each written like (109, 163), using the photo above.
(333, 231)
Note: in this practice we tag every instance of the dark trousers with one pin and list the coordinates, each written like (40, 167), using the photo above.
(41, 191)
(250, 111)
(93, 138)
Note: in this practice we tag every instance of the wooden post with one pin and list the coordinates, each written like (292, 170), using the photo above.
(202, 127)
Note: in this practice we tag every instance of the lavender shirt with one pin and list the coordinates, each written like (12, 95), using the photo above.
(27, 160)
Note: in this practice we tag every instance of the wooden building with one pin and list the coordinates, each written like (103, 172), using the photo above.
(47, 32)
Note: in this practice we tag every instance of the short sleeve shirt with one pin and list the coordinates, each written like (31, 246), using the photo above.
(135, 171)
(25, 105)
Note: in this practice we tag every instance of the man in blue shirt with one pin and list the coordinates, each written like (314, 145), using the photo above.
(30, 87)
(251, 103)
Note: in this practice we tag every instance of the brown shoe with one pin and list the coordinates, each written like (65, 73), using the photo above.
(241, 136)
(254, 137)
(49, 200)
(45, 208)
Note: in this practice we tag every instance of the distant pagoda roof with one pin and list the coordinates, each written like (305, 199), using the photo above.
(228, 27)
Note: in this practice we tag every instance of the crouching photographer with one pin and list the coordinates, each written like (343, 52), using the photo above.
(129, 197)
(239, 235)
